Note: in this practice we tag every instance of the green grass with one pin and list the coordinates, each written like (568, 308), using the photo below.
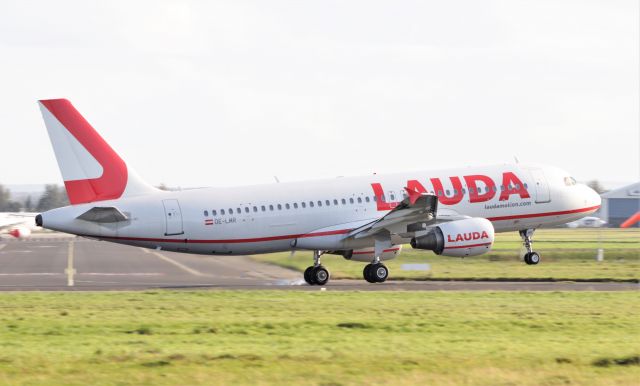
(567, 254)
(319, 338)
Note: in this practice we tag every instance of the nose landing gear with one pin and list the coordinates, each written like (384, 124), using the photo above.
(531, 257)
(316, 274)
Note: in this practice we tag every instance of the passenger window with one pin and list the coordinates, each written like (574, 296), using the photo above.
(526, 186)
(359, 200)
(344, 202)
(375, 199)
(246, 209)
(502, 188)
(238, 211)
(206, 213)
(518, 186)
(471, 190)
(446, 192)
(279, 207)
(319, 203)
(213, 213)
(439, 192)
(255, 208)
(295, 205)
(393, 197)
(230, 211)
(304, 204)
(287, 206)
(263, 208)
(270, 207)
(335, 202)
(311, 204)
(455, 192)
(328, 203)
(366, 199)
(222, 212)
(351, 201)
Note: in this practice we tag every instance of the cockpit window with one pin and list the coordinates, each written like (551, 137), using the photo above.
(569, 181)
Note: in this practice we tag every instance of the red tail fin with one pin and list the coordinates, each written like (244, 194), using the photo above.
(91, 169)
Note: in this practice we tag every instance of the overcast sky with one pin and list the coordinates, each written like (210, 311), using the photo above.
(195, 93)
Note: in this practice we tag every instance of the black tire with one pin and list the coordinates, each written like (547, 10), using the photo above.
(534, 258)
(366, 273)
(307, 275)
(379, 272)
(526, 258)
(320, 275)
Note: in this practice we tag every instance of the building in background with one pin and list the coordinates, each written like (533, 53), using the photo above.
(620, 204)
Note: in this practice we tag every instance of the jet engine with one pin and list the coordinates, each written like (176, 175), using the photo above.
(20, 232)
(366, 254)
(468, 237)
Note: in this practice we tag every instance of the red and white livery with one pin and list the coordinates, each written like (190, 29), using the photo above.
(453, 212)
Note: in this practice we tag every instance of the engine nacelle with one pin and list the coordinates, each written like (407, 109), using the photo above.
(468, 237)
(366, 254)
(20, 232)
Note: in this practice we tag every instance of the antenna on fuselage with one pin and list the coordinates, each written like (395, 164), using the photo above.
(276, 178)
(516, 158)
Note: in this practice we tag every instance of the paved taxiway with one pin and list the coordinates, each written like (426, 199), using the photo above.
(60, 262)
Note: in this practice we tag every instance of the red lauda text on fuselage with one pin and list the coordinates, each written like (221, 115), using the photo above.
(510, 182)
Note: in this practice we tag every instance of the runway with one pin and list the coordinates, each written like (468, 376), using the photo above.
(54, 262)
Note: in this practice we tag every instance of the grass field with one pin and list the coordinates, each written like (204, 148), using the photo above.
(319, 338)
(567, 254)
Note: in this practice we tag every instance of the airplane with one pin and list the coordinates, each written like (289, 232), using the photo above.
(452, 212)
(18, 224)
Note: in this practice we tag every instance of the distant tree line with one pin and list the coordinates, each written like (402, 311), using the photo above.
(54, 196)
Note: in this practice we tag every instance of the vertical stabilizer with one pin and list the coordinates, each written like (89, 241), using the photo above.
(91, 169)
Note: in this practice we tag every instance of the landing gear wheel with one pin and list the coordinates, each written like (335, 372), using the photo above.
(320, 275)
(366, 273)
(532, 258)
(379, 272)
(375, 273)
(307, 275)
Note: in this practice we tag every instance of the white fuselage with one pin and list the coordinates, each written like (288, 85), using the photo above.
(317, 214)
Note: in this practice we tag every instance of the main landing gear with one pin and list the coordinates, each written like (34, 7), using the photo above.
(531, 257)
(375, 272)
(316, 274)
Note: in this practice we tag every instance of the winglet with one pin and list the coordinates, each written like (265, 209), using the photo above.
(413, 195)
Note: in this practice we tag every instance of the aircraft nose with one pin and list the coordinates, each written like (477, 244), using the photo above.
(591, 197)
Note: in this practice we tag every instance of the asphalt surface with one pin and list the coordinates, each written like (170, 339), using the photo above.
(56, 262)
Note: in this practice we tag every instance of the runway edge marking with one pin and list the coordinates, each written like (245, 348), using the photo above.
(70, 271)
(176, 263)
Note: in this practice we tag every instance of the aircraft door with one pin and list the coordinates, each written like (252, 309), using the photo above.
(542, 187)
(173, 217)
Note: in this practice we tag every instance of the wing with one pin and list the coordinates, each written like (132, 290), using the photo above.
(414, 213)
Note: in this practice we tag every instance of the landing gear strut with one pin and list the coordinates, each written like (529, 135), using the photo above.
(316, 274)
(531, 257)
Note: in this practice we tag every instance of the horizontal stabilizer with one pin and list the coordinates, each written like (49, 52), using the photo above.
(103, 214)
